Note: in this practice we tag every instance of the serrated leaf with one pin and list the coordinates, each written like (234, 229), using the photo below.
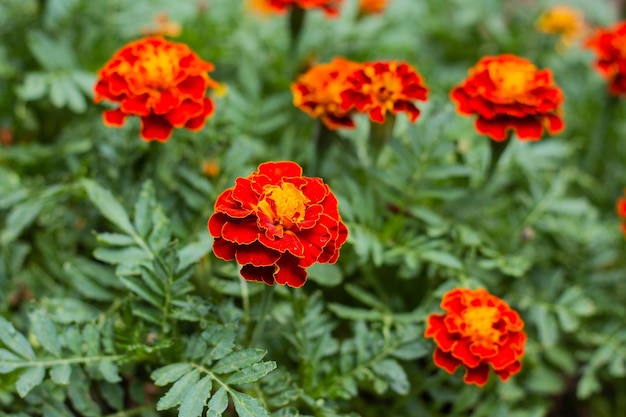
(218, 403)
(61, 373)
(223, 341)
(238, 360)
(393, 374)
(546, 326)
(45, 332)
(247, 406)
(14, 340)
(179, 390)
(196, 398)
(8, 361)
(251, 373)
(108, 205)
(115, 239)
(109, 371)
(144, 206)
(169, 373)
(140, 289)
(19, 218)
(31, 378)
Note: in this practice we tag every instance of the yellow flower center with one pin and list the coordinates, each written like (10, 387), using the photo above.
(289, 204)
(512, 78)
(384, 87)
(479, 322)
(159, 67)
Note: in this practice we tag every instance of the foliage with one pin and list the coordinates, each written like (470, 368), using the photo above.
(112, 303)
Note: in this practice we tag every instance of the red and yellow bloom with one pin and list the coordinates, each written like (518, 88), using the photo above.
(509, 92)
(609, 46)
(330, 7)
(372, 6)
(378, 88)
(562, 20)
(478, 331)
(163, 82)
(620, 208)
(318, 92)
(276, 223)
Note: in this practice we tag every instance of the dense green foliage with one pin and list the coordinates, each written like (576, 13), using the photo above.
(112, 303)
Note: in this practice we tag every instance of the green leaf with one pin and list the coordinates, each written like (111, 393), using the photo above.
(45, 332)
(179, 390)
(109, 371)
(34, 87)
(196, 398)
(326, 275)
(108, 205)
(30, 379)
(251, 373)
(393, 374)
(223, 340)
(218, 403)
(247, 406)
(61, 373)
(140, 289)
(8, 361)
(238, 360)
(144, 207)
(442, 258)
(546, 326)
(69, 310)
(169, 373)
(19, 218)
(128, 255)
(14, 340)
(115, 239)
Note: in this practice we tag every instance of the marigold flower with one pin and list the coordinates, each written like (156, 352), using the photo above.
(509, 92)
(276, 223)
(330, 7)
(479, 331)
(620, 208)
(562, 20)
(380, 87)
(609, 46)
(162, 82)
(372, 6)
(318, 92)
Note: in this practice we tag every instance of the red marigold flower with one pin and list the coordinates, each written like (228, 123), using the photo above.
(479, 331)
(380, 87)
(609, 46)
(372, 6)
(509, 92)
(318, 92)
(162, 82)
(330, 7)
(276, 223)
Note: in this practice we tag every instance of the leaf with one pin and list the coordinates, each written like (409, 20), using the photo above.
(238, 360)
(45, 332)
(169, 373)
(223, 341)
(109, 371)
(115, 239)
(30, 379)
(9, 361)
(442, 258)
(61, 373)
(139, 288)
(546, 326)
(251, 373)
(144, 206)
(196, 398)
(326, 275)
(108, 205)
(218, 403)
(393, 374)
(179, 390)
(14, 340)
(19, 218)
(69, 310)
(247, 406)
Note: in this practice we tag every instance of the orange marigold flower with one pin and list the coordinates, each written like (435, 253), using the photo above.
(276, 223)
(372, 6)
(509, 92)
(562, 20)
(162, 82)
(318, 92)
(609, 46)
(620, 208)
(479, 331)
(380, 87)
(330, 7)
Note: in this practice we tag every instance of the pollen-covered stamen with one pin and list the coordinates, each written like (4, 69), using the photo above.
(283, 203)
(478, 324)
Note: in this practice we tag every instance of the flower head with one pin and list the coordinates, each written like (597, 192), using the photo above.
(562, 20)
(318, 92)
(162, 82)
(372, 6)
(330, 7)
(509, 92)
(276, 223)
(620, 208)
(479, 331)
(381, 87)
(609, 46)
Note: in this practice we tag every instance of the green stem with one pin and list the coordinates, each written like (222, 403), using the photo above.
(497, 149)
(597, 143)
(380, 134)
(322, 139)
(266, 303)
(296, 22)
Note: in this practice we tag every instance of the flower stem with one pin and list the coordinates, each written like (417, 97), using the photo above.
(497, 149)
(266, 304)
(322, 139)
(380, 134)
(296, 22)
(598, 138)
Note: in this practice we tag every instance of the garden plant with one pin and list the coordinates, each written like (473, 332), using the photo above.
(315, 208)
